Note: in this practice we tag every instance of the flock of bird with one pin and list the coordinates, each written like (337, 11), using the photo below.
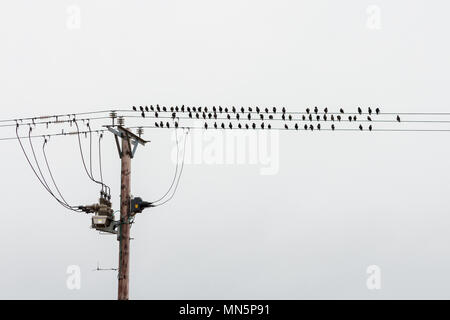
(224, 117)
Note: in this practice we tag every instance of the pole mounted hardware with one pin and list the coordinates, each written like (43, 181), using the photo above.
(130, 137)
(138, 205)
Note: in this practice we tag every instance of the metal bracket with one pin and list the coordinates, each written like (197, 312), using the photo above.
(132, 139)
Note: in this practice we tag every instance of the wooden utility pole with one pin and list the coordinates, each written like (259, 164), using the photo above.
(124, 227)
(130, 142)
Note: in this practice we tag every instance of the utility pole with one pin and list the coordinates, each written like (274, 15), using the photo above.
(126, 153)
(124, 227)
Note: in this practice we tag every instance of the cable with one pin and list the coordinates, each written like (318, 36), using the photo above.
(179, 176)
(34, 171)
(176, 171)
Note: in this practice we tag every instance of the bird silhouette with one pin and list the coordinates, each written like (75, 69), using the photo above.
(269, 126)
(370, 128)
(246, 126)
(341, 110)
(237, 116)
(172, 109)
(325, 110)
(338, 117)
(325, 117)
(228, 116)
(143, 114)
(332, 127)
(369, 110)
(311, 127)
(310, 117)
(156, 124)
(226, 110)
(206, 109)
(214, 109)
(283, 110)
(176, 124)
(220, 109)
(250, 109)
(167, 125)
(303, 117)
(377, 110)
(307, 110)
(215, 125)
(354, 118)
(161, 124)
(359, 110)
(257, 110)
(266, 110)
(296, 126)
(398, 118)
(261, 116)
(156, 114)
(290, 117)
(199, 109)
(188, 109)
(182, 108)
(350, 118)
(206, 125)
(209, 115)
(316, 110)
(134, 108)
(239, 125)
(270, 117)
(164, 109)
(360, 127)
(249, 116)
(242, 110)
(283, 117)
(151, 108)
(332, 117)
(197, 115)
(262, 125)
(190, 115)
(318, 126)
(215, 115)
(286, 126)
(146, 108)
(318, 118)
(194, 109)
(140, 108)
(230, 126)
(369, 118)
(223, 126)
(305, 126)
(274, 110)
(233, 109)
(253, 125)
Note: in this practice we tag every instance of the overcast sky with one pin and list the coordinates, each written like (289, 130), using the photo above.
(329, 206)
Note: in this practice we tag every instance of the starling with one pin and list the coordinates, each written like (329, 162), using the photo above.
(310, 117)
(311, 127)
(156, 114)
(286, 126)
(134, 108)
(143, 114)
(228, 116)
(206, 125)
(164, 109)
(305, 126)
(190, 115)
(223, 126)
(250, 109)
(307, 110)
(206, 109)
(197, 116)
(296, 126)
(354, 118)
(369, 118)
(140, 108)
(266, 110)
(271, 117)
(214, 109)
(233, 109)
(283, 117)
(242, 110)
(377, 110)
(239, 126)
(269, 126)
(318, 126)
(176, 124)
(325, 110)
(199, 109)
(318, 118)
(283, 110)
(350, 118)
(215, 125)
(167, 125)
(176, 109)
(303, 117)
(359, 110)
(215, 115)
(332, 117)
(370, 111)
(209, 115)
(194, 109)
(253, 125)
(316, 110)
(338, 117)
(257, 110)
(151, 108)
(370, 128)
(274, 110)
(226, 110)
(325, 117)
(182, 108)
(261, 116)
(172, 109)
(146, 108)
(290, 117)
(249, 116)
(156, 124)
(237, 116)
(246, 126)
(220, 109)
(230, 126)
(262, 125)
(398, 118)
(161, 124)
(188, 109)
(332, 127)
(360, 127)
(341, 110)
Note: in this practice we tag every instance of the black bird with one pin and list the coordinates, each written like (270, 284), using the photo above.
(246, 126)
(303, 117)
(270, 117)
(188, 109)
(176, 124)
(143, 114)
(370, 128)
(151, 108)
(134, 108)
(370, 111)
(325, 117)
(220, 109)
(204, 115)
(190, 115)
(332, 117)
(266, 110)
(359, 110)
(262, 125)
(283, 110)
(318, 126)
(199, 109)
(360, 127)
(250, 109)
(338, 117)
(146, 108)
(157, 107)
(176, 109)
(341, 110)
(242, 110)
(237, 116)
(140, 108)
(325, 110)
(156, 124)
(228, 117)
(257, 110)
(249, 116)
(215, 125)
(214, 109)
(206, 109)
(182, 108)
(239, 125)
(296, 126)
(194, 109)
(350, 118)
(305, 126)
(286, 126)
(354, 118)
(311, 127)
(283, 117)
(261, 116)
(164, 109)
(234, 110)
(230, 126)
(274, 110)
(307, 110)
(269, 126)
(206, 125)
(209, 115)
(253, 125)
(161, 124)
(398, 118)
(156, 114)
(369, 118)
(316, 110)
(318, 118)
(223, 125)
(197, 116)
(332, 127)
(167, 125)
(290, 117)
(172, 109)
(226, 110)
(377, 110)
(310, 117)
(215, 115)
